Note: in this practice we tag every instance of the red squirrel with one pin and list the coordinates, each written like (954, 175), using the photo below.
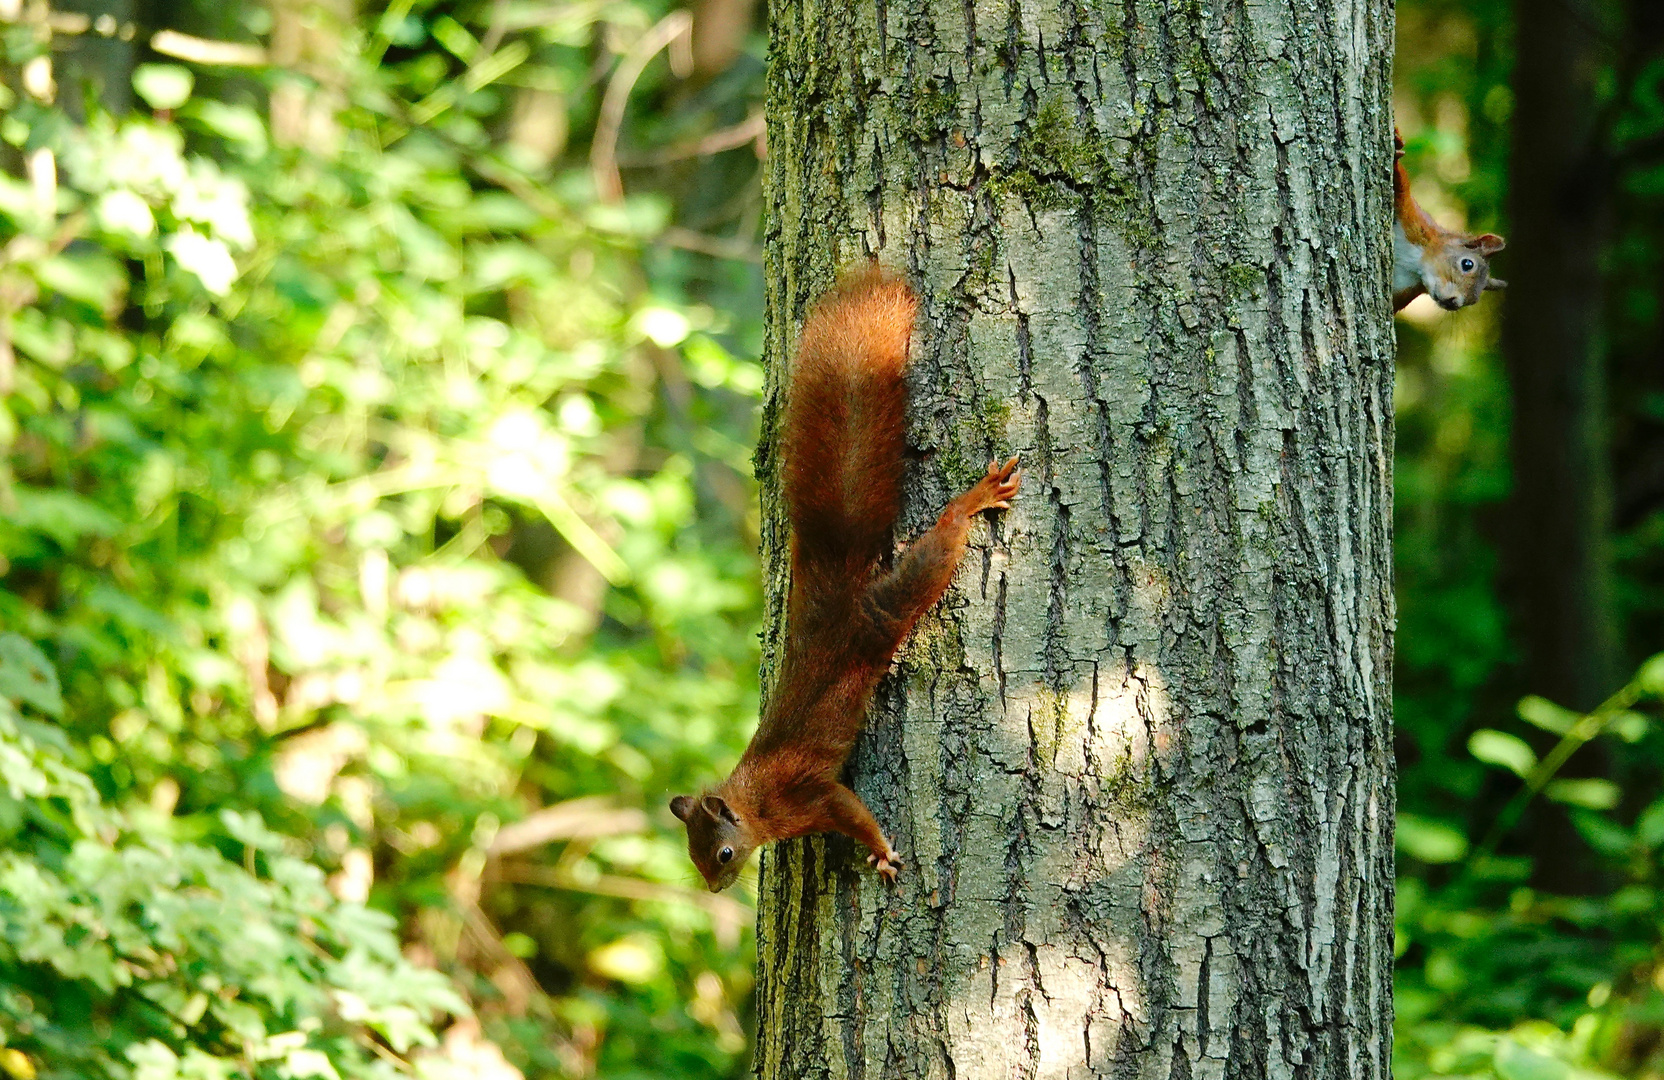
(1451, 267)
(843, 438)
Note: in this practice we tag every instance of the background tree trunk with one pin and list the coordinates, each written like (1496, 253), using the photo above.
(1556, 545)
(1139, 763)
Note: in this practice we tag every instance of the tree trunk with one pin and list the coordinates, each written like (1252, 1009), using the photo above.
(1139, 763)
(1556, 543)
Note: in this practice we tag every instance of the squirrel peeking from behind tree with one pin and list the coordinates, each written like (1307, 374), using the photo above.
(1453, 268)
(843, 439)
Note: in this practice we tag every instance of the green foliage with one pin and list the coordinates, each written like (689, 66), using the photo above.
(367, 485)
(1478, 971)
(124, 953)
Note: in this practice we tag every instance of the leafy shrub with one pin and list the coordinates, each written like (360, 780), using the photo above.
(388, 488)
(126, 954)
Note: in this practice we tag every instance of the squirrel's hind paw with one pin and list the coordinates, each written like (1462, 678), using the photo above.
(887, 866)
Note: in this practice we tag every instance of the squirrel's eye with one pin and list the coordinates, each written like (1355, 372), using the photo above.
(1467, 266)
(725, 854)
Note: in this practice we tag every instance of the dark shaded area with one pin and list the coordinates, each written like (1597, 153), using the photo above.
(1556, 544)
(1556, 548)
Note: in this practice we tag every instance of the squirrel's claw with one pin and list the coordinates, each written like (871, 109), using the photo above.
(1003, 482)
(886, 866)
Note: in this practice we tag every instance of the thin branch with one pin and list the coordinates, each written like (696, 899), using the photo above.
(749, 130)
(496, 28)
(719, 247)
(625, 888)
(205, 51)
(1586, 728)
(673, 29)
(586, 818)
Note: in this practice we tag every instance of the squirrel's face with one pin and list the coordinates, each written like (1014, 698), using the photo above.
(718, 841)
(1456, 273)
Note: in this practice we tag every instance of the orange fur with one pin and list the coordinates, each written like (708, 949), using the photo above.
(843, 435)
(1418, 227)
(1453, 267)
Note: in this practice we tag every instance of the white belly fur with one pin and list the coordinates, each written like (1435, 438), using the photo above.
(1406, 261)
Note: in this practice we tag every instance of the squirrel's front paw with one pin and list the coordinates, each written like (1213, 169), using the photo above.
(886, 866)
(1000, 485)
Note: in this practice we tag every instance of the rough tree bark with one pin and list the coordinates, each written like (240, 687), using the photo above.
(1139, 763)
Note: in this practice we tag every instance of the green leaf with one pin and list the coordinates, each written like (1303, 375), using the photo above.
(238, 123)
(1651, 676)
(497, 265)
(19, 202)
(1629, 725)
(1543, 713)
(96, 280)
(490, 212)
(641, 216)
(206, 257)
(303, 1062)
(1602, 833)
(1649, 827)
(49, 340)
(1515, 1062)
(455, 37)
(63, 515)
(1502, 749)
(27, 677)
(1430, 841)
(153, 1061)
(1591, 793)
(163, 86)
(123, 211)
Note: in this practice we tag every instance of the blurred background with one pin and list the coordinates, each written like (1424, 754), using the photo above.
(378, 390)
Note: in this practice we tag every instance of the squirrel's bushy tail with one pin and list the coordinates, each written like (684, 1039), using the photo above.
(845, 425)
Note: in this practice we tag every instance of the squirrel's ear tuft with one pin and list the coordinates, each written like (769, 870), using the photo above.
(682, 806)
(717, 807)
(1493, 284)
(1488, 244)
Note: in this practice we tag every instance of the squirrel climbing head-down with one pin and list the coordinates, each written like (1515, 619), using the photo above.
(1454, 273)
(1453, 268)
(843, 441)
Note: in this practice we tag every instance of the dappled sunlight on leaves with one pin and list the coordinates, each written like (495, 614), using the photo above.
(361, 499)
